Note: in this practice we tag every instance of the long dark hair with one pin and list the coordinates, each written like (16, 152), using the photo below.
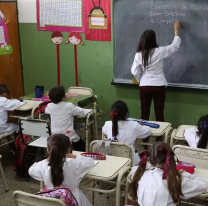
(146, 46)
(203, 132)
(119, 111)
(58, 146)
(158, 154)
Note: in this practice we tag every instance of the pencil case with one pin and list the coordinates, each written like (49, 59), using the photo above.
(144, 122)
(93, 155)
(188, 167)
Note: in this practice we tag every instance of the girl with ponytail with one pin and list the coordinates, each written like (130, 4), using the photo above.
(121, 130)
(162, 184)
(198, 137)
(62, 168)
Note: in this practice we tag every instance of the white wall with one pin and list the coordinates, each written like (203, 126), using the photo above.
(27, 11)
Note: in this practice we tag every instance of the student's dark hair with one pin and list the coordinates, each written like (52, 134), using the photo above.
(203, 132)
(119, 110)
(146, 46)
(3, 89)
(58, 146)
(56, 94)
(157, 156)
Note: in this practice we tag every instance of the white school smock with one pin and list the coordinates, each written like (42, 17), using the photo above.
(62, 118)
(192, 137)
(152, 189)
(153, 75)
(8, 105)
(128, 132)
(74, 170)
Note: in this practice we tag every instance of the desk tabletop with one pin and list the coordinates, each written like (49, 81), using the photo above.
(73, 98)
(106, 169)
(181, 129)
(161, 130)
(29, 105)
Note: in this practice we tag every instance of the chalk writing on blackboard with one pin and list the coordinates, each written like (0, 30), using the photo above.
(168, 14)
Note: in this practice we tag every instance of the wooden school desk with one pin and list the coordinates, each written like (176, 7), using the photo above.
(107, 170)
(178, 134)
(27, 110)
(80, 100)
(163, 130)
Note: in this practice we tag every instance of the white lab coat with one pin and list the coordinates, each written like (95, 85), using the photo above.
(128, 132)
(62, 118)
(192, 137)
(8, 105)
(153, 191)
(74, 171)
(154, 75)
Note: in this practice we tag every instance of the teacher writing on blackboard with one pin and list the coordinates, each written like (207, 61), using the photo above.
(148, 70)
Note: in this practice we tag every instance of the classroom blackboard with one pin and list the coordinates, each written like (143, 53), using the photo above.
(188, 67)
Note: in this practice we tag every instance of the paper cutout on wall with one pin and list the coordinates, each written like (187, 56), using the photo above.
(97, 17)
(98, 20)
(5, 48)
(75, 39)
(57, 37)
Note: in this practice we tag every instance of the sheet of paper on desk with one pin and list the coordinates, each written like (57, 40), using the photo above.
(86, 111)
(22, 103)
(96, 162)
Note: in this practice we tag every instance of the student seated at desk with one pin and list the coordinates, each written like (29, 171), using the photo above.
(63, 169)
(62, 116)
(162, 184)
(124, 131)
(198, 137)
(7, 105)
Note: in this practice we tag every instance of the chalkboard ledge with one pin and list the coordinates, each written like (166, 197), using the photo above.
(169, 87)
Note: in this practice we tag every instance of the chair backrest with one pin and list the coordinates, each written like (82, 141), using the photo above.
(80, 90)
(196, 156)
(39, 128)
(118, 149)
(25, 199)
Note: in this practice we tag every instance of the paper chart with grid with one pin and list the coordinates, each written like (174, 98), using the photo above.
(60, 13)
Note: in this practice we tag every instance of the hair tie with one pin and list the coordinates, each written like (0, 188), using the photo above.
(113, 114)
(167, 162)
(143, 157)
(70, 140)
(205, 126)
(55, 143)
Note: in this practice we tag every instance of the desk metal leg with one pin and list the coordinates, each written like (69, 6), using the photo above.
(167, 134)
(3, 178)
(95, 126)
(118, 184)
(93, 193)
(127, 190)
(172, 138)
(33, 112)
(41, 185)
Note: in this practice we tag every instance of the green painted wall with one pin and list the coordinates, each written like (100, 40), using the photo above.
(95, 63)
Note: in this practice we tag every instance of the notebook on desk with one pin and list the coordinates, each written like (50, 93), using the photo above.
(22, 103)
